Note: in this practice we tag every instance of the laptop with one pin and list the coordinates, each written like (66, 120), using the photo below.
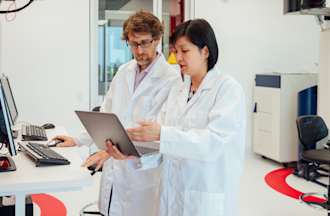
(102, 126)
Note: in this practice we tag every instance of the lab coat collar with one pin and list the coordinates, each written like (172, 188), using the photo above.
(130, 76)
(158, 70)
(208, 80)
(207, 83)
(160, 67)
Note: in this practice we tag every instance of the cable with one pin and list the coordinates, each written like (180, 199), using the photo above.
(18, 9)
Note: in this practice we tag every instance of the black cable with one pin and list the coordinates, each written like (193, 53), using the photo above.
(110, 199)
(92, 213)
(18, 9)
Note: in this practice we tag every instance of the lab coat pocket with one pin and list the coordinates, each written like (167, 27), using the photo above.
(198, 203)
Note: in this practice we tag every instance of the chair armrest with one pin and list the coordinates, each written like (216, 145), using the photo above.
(327, 145)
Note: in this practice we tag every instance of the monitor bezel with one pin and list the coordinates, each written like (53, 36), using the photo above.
(5, 78)
(11, 145)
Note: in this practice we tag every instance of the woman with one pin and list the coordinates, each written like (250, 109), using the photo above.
(201, 130)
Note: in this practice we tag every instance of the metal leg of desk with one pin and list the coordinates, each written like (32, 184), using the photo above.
(20, 204)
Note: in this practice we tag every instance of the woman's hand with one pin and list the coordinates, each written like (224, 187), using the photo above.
(148, 131)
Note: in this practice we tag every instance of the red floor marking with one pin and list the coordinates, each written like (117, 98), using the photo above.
(49, 205)
(277, 180)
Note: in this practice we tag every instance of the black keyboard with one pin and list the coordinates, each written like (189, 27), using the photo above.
(33, 133)
(43, 155)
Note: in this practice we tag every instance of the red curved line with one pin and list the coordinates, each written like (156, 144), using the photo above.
(49, 205)
(277, 180)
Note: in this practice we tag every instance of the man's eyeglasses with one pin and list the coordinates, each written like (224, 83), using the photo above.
(144, 44)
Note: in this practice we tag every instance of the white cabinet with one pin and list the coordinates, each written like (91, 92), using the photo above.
(274, 118)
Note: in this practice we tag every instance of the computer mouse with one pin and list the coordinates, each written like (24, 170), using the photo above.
(53, 143)
(48, 126)
(93, 169)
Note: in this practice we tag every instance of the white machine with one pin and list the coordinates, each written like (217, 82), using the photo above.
(274, 118)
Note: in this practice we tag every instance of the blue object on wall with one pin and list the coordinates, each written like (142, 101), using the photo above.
(307, 101)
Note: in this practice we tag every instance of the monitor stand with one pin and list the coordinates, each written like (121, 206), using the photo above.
(7, 164)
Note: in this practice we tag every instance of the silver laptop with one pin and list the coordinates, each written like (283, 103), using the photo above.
(102, 126)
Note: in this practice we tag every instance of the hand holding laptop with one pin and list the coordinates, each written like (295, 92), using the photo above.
(102, 126)
(113, 151)
(100, 157)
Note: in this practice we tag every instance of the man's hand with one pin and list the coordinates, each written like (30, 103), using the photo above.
(67, 141)
(98, 158)
(147, 132)
(113, 151)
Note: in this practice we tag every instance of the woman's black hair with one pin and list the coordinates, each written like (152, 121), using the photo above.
(201, 34)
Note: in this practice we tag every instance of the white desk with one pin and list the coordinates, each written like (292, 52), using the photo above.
(29, 179)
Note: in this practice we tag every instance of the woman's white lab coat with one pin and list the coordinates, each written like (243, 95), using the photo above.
(203, 144)
(135, 189)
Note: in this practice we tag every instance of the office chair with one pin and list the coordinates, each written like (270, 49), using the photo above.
(96, 109)
(312, 129)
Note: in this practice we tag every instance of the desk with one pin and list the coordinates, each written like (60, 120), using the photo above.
(29, 179)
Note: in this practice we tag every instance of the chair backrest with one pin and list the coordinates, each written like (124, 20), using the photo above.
(311, 129)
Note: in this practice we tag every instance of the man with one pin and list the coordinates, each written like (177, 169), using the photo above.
(136, 93)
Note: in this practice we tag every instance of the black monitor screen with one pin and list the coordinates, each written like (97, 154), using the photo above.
(9, 98)
(6, 136)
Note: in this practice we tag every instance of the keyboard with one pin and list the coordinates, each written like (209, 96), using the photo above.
(43, 155)
(33, 133)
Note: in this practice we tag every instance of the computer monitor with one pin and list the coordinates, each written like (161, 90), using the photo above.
(6, 136)
(9, 98)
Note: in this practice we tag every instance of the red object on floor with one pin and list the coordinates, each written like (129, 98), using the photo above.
(277, 180)
(49, 205)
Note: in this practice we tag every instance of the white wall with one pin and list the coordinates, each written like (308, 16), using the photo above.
(324, 88)
(255, 37)
(45, 53)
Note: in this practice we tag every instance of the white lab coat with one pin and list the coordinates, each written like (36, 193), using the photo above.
(135, 189)
(203, 144)
(142, 104)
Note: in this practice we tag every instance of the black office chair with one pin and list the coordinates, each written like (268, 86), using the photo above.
(312, 129)
(96, 109)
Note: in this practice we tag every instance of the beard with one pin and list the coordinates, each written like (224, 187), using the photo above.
(143, 61)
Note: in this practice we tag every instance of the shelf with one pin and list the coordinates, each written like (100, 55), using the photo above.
(325, 11)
